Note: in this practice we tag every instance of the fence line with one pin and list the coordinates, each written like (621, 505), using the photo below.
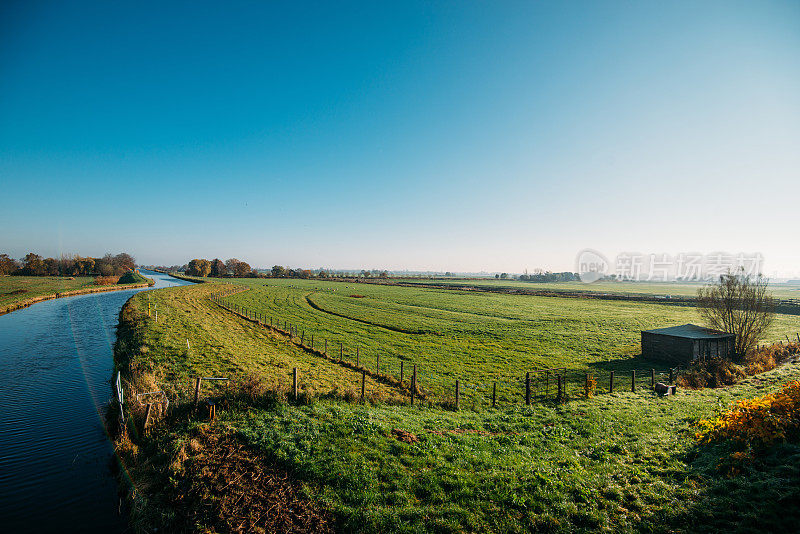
(538, 384)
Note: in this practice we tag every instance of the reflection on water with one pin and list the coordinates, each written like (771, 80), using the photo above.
(55, 371)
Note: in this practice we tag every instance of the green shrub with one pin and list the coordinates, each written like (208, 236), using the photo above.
(132, 277)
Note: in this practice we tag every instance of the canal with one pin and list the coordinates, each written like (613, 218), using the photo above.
(56, 365)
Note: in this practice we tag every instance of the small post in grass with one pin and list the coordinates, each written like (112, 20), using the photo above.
(671, 375)
(377, 363)
(294, 382)
(197, 382)
(633, 380)
(528, 388)
(312, 341)
(401, 371)
(611, 382)
(147, 416)
(341, 352)
(414, 384)
(494, 394)
(457, 393)
(652, 378)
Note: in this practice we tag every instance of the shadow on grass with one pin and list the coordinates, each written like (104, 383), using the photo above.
(760, 493)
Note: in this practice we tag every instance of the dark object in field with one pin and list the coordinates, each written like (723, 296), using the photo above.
(357, 296)
(17, 292)
(664, 390)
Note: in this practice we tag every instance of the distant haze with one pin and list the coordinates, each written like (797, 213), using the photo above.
(462, 136)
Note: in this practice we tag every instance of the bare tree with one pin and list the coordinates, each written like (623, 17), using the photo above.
(738, 304)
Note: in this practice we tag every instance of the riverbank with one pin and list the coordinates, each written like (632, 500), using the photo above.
(85, 281)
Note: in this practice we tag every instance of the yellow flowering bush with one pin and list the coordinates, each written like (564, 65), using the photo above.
(756, 422)
(589, 386)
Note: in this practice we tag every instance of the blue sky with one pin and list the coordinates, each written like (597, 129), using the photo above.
(466, 136)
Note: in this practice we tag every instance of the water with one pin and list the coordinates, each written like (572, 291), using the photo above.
(55, 456)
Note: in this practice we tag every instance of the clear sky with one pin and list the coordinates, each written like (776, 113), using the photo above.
(457, 135)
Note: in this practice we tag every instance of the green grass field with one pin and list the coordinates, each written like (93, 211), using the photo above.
(624, 462)
(477, 338)
(223, 345)
(683, 289)
(15, 289)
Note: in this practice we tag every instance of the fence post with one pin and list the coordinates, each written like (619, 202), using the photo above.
(197, 382)
(671, 375)
(457, 393)
(633, 380)
(341, 352)
(312, 341)
(611, 382)
(146, 417)
(377, 364)
(494, 394)
(414, 384)
(364, 381)
(294, 382)
(528, 388)
(401, 371)
(652, 378)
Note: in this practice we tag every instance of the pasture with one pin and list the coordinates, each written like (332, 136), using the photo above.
(678, 289)
(14, 289)
(478, 338)
(625, 462)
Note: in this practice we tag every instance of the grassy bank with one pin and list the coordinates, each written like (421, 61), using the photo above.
(622, 462)
(21, 291)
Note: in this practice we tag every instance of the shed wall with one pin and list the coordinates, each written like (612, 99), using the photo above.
(670, 348)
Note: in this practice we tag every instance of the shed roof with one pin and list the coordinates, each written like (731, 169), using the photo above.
(691, 331)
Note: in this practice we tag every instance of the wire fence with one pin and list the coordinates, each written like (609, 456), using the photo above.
(537, 385)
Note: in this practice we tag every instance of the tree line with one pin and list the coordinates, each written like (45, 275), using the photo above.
(67, 265)
(548, 276)
(235, 268)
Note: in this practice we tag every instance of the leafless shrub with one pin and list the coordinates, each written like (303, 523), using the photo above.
(740, 304)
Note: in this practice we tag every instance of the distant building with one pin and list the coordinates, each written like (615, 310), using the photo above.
(686, 343)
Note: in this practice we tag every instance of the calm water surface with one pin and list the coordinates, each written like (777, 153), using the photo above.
(55, 382)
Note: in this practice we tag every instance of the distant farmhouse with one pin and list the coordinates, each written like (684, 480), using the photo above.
(686, 343)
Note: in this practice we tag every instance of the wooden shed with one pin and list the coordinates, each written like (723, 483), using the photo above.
(686, 343)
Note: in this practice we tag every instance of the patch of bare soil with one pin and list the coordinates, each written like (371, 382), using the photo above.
(404, 435)
(232, 489)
